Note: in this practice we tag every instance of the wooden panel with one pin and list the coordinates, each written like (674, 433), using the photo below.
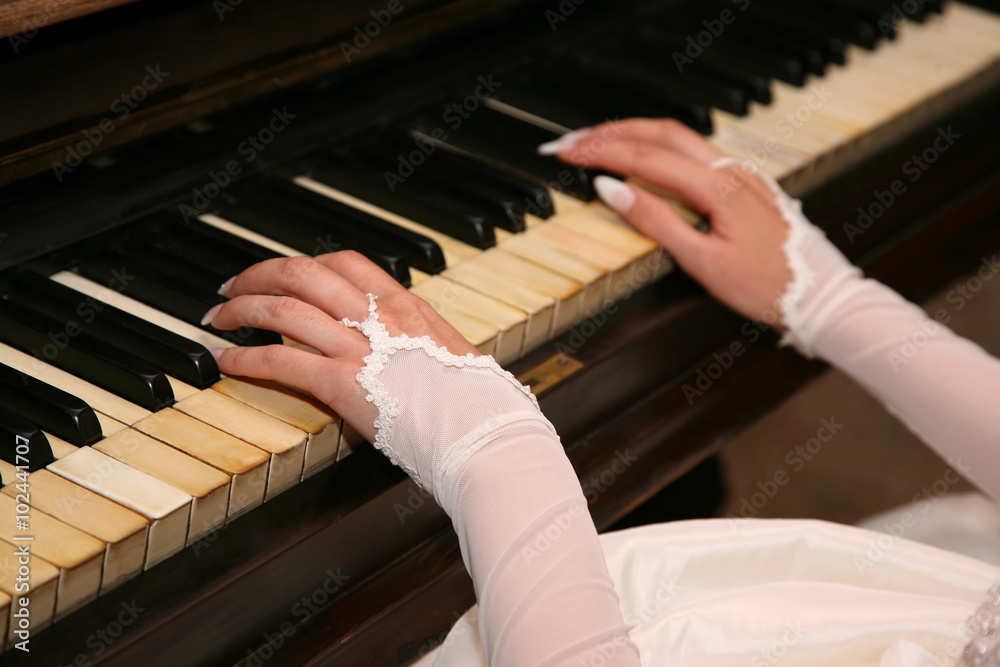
(27, 16)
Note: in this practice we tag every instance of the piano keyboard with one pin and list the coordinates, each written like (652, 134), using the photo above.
(149, 450)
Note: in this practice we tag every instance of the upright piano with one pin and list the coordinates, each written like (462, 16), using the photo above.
(150, 150)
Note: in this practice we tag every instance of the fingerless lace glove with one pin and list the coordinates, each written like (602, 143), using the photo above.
(470, 434)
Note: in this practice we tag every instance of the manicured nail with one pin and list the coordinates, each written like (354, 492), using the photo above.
(564, 142)
(210, 315)
(216, 352)
(615, 193)
(226, 285)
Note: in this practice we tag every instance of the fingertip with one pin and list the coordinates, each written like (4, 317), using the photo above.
(224, 288)
(563, 143)
(615, 193)
(211, 314)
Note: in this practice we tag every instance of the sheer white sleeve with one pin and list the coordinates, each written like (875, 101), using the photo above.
(945, 388)
(496, 466)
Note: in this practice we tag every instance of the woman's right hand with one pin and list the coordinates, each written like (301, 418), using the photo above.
(740, 260)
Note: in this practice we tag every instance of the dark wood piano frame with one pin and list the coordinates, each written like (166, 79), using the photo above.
(354, 566)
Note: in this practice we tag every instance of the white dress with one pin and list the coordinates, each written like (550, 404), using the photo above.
(701, 593)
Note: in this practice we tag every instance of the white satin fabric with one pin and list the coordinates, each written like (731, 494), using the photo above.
(758, 593)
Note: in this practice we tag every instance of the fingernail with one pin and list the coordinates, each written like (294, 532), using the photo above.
(210, 315)
(615, 193)
(564, 142)
(216, 352)
(226, 285)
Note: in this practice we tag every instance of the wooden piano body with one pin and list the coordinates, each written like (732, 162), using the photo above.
(354, 566)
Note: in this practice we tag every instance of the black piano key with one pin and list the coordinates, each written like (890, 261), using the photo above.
(182, 273)
(67, 347)
(501, 208)
(576, 85)
(466, 171)
(816, 52)
(23, 444)
(662, 76)
(849, 27)
(764, 60)
(351, 173)
(176, 355)
(772, 64)
(301, 231)
(180, 239)
(52, 409)
(663, 47)
(880, 23)
(248, 249)
(565, 110)
(273, 196)
(144, 284)
(506, 140)
(895, 10)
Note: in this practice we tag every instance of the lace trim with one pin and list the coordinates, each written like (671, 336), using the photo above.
(984, 628)
(802, 276)
(384, 346)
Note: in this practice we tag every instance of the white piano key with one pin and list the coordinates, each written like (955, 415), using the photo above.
(167, 508)
(123, 531)
(79, 556)
(245, 464)
(208, 487)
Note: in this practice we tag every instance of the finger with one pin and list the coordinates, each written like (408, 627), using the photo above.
(361, 272)
(324, 378)
(691, 180)
(290, 317)
(653, 217)
(665, 133)
(305, 279)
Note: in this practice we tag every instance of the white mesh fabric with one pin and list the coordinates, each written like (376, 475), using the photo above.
(473, 436)
(946, 389)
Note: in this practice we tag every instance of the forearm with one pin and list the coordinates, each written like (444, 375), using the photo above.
(528, 540)
(943, 387)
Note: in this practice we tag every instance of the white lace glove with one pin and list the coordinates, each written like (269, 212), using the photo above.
(470, 434)
(945, 388)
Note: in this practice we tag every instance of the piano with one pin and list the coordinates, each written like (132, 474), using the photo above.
(149, 150)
